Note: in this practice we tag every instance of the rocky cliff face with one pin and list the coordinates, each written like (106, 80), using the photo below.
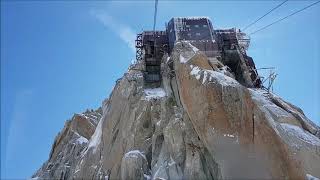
(200, 124)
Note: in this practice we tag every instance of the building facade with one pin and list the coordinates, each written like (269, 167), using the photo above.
(227, 45)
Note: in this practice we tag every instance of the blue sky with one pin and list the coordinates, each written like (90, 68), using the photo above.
(60, 58)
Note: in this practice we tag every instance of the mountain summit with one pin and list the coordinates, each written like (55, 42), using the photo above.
(204, 117)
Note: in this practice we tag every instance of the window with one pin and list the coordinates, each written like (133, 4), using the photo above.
(189, 34)
(188, 26)
(205, 25)
(196, 26)
(198, 34)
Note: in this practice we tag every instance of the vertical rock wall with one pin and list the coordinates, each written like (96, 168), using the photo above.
(200, 124)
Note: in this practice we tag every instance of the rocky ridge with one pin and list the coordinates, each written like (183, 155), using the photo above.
(200, 124)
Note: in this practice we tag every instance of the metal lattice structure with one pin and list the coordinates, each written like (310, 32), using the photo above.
(153, 46)
(139, 47)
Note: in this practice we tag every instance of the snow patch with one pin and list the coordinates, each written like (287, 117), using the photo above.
(224, 69)
(77, 170)
(154, 93)
(147, 177)
(262, 96)
(193, 48)
(168, 58)
(90, 117)
(172, 162)
(159, 170)
(301, 134)
(185, 56)
(82, 140)
(265, 105)
(259, 95)
(310, 177)
(134, 154)
(158, 123)
(96, 137)
(133, 76)
(183, 60)
(228, 135)
(205, 73)
(195, 71)
(221, 78)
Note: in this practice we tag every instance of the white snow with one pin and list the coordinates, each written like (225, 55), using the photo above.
(82, 140)
(158, 123)
(193, 48)
(159, 178)
(310, 177)
(271, 110)
(259, 95)
(172, 162)
(147, 177)
(205, 73)
(95, 117)
(96, 137)
(83, 115)
(77, 170)
(195, 71)
(135, 154)
(228, 135)
(262, 96)
(221, 78)
(154, 93)
(131, 76)
(158, 171)
(168, 58)
(187, 55)
(266, 106)
(298, 132)
(182, 59)
(89, 117)
(224, 69)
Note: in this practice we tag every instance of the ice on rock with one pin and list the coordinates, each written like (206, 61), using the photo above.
(154, 93)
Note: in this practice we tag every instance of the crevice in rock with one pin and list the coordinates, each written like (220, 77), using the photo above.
(114, 137)
(157, 147)
(146, 124)
(117, 123)
(210, 166)
(253, 128)
(62, 175)
(149, 156)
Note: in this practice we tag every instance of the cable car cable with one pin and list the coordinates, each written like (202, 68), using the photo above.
(155, 15)
(285, 17)
(264, 15)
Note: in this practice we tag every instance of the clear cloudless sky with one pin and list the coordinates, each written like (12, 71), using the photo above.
(60, 58)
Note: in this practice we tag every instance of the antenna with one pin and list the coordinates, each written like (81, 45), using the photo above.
(269, 80)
